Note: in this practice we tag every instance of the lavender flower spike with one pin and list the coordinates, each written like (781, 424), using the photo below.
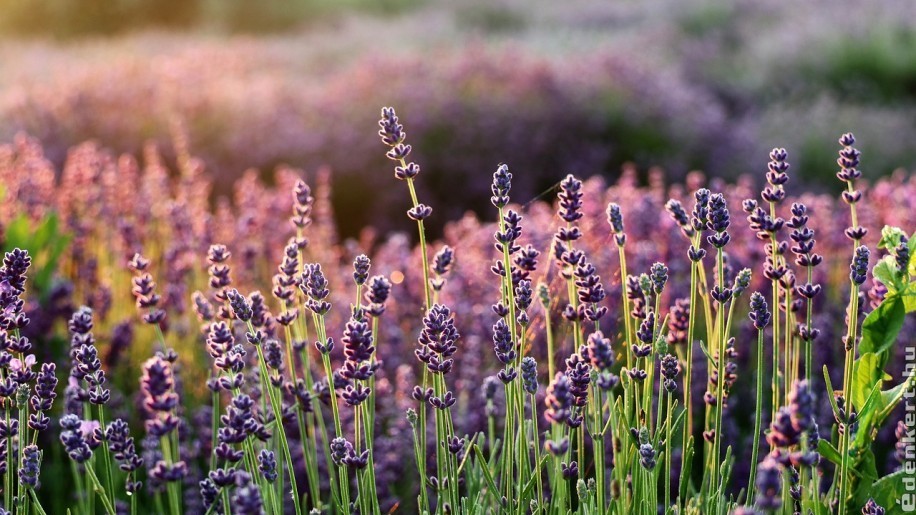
(859, 266)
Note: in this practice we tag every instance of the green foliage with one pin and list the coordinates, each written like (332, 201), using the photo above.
(867, 376)
(901, 285)
(491, 18)
(881, 327)
(879, 334)
(889, 489)
(827, 450)
(45, 243)
(707, 18)
(880, 66)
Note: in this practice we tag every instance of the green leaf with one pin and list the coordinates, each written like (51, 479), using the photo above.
(55, 249)
(708, 355)
(44, 243)
(678, 419)
(881, 327)
(830, 393)
(827, 450)
(890, 398)
(867, 373)
(888, 490)
(532, 481)
(867, 415)
(890, 237)
(885, 271)
(908, 296)
(872, 402)
(867, 472)
(17, 234)
(43, 235)
(493, 491)
(912, 246)
(866, 466)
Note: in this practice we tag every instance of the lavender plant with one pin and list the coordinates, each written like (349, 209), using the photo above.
(613, 382)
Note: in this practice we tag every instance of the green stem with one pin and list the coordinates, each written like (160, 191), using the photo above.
(307, 451)
(344, 484)
(537, 451)
(791, 361)
(686, 465)
(133, 497)
(721, 361)
(775, 385)
(24, 437)
(171, 486)
(421, 231)
(278, 416)
(847, 393)
(109, 508)
(37, 505)
(108, 463)
(226, 501)
(8, 491)
(81, 498)
(214, 425)
(751, 482)
(668, 451)
(551, 365)
(809, 307)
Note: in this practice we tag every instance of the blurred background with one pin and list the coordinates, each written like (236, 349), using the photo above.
(547, 87)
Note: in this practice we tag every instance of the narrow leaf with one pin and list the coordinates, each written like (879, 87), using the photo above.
(830, 393)
(494, 492)
(827, 450)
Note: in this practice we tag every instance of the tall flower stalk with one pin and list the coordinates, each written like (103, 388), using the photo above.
(692, 228)
(295, 330)
(161, 401)
(760, 316)
(849, 172)
(393, 135)
(358, 368)
(241, 309)
(718, 224)
(612, 407)
(768, 225)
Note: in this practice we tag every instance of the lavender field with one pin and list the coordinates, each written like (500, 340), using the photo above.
(236, 282)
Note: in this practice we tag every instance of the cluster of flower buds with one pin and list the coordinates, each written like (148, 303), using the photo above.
(615, 220)
(12, 285)
(601, 356)
(677, 212)
(358, 353)
(343, 453)
(122, 447)
(849, 173)
(569, 210)
(792, 423)
(157, 386)
(144, 291)
(442, 265)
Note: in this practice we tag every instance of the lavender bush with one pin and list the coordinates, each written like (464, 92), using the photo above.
(689, 348)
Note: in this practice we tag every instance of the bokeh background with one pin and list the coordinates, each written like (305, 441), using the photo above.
(580, 86)
(640, 93)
